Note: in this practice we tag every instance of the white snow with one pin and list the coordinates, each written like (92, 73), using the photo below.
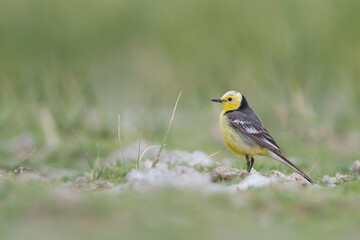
(178, 177)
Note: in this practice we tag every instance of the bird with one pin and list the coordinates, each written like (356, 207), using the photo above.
(244, 133)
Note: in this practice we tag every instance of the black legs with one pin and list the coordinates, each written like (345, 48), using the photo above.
(249, 163)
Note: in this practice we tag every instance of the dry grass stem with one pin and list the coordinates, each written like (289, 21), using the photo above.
(210, 156)
(27, 156)
(230, 168)
(157, 157)
(313, 166)
(22, 161)
(143, 153)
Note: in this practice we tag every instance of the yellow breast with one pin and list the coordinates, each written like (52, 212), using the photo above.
(236, 142)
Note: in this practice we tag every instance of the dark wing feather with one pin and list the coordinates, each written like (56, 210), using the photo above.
(251, 126)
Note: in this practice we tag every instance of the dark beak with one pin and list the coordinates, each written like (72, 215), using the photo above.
(217, 100)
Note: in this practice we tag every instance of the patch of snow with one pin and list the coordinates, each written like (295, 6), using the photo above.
(180, 157)
(253, 180)
(175, 157)
(178, 177)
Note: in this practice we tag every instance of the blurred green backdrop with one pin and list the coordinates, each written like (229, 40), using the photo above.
(67, 68)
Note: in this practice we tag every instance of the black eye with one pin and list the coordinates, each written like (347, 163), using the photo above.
(229, 99)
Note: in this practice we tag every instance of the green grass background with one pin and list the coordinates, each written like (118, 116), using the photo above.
(80, 63)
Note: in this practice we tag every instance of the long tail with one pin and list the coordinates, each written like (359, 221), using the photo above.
(281, 158)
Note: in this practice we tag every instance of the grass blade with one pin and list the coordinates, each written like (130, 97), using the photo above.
(313, 166)
(143, 153)
(157, 157)
(138, 158)
(211, 155)
(121, 147)
(22, 161)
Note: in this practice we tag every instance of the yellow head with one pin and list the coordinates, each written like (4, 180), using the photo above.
(230, 100)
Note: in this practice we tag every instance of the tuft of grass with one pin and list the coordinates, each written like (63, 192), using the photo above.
(120, 143)
(116, 173)
(97, 167)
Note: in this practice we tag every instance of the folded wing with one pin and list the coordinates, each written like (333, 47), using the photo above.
(256, 132)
